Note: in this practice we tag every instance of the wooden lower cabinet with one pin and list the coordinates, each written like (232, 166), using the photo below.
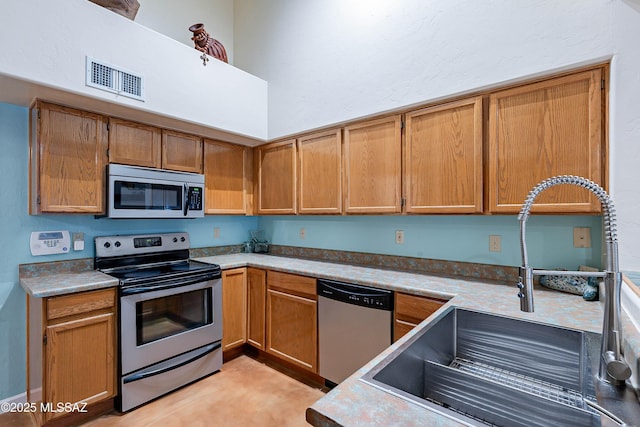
(71, 352)
(234, 308)
(410, 310)
(292, 326)
(256, 306)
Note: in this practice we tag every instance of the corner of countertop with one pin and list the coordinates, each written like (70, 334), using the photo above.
(49, 285)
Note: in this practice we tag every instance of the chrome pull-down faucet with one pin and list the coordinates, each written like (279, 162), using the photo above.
(613, 368)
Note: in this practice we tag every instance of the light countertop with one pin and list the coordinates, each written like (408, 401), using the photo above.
(66, 283)
(353, 402)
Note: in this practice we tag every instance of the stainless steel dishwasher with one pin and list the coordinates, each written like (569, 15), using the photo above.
(354, 326)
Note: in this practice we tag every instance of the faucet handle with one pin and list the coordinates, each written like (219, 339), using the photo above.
(617, 369)
(525, 284)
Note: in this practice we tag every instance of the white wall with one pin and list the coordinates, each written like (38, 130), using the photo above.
(173, 19)
(45, 43)
(328, 61)
(624, 125)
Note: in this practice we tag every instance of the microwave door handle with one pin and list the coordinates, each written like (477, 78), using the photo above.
(185, 208)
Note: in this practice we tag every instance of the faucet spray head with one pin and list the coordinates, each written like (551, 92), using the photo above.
(613, 368)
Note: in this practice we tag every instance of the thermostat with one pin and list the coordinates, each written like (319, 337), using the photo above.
(49, 242)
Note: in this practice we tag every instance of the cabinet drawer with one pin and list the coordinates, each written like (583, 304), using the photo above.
(401, 328)
(73, 304)
(297, 285)
(414, 309)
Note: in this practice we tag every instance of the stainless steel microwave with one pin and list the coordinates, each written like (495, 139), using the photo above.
(137, 192)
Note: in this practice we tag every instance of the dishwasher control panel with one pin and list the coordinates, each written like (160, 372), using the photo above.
(363, 296)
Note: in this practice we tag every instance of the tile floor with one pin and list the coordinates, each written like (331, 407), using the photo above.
(244, 393)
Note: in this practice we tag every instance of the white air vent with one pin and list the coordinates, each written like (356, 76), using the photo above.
(107, 77)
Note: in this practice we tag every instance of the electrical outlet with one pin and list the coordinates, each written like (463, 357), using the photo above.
(399, 237)
(495, 243)
(216, 232)
(303, 233)
(581, 237)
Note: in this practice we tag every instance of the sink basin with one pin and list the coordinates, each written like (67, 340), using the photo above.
(480, 369)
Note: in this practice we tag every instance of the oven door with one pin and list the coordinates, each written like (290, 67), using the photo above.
(156, 325)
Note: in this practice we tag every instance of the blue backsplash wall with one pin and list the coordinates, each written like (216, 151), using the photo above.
(460, 238)
(448, 237)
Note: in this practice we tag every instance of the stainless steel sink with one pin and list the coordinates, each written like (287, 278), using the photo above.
(480, 369)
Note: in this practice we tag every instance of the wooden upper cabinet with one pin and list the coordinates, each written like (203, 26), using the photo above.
(320, 183)
(372, 158)
(225, 171)
(135, 144)
(540, 130)
(181, 151)
(277, 178)
(443, 158)
(68, 159)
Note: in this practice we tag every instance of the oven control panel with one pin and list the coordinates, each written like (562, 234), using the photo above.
(107, 246)
(147, 242)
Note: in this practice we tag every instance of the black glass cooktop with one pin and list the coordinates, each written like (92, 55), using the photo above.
(161, 270)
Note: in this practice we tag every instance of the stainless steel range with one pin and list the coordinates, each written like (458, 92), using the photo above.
(170, 313)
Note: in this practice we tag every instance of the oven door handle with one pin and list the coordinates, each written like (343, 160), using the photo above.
(147, 374)
(159, 287)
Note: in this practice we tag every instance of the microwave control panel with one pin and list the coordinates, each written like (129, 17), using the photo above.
(49, 242)
(195, 198)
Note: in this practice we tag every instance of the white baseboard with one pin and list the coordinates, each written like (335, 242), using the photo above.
(18, 398)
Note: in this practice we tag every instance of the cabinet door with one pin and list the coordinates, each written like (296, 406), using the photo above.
(225, 172)
(181, 151)
(372, 152)
(292, 329)
(410, 310)
(320, 183)
(277, 178)
(443, 158)
(79, 361)
(68, 156)
(541, 130)
(234, 308)
(256, 301)
(134, 144)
